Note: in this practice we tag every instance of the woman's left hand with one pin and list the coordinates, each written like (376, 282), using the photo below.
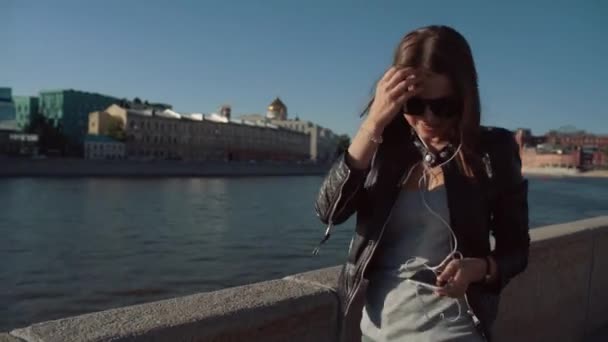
(455, 278)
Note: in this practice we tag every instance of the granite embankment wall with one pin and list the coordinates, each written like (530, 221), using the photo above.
(561, 297)
(127, 168)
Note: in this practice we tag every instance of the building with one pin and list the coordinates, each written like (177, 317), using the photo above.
(7, 107)
(26, 107)
(15, 143)
(101, 147)
(525, 138)
(138, 104)
(562, 149)
(533, 158)
(69, 110)
(576, 138)
(103, 122)
(322, 141)
(226, 112)
(277, 110)
(170, 135)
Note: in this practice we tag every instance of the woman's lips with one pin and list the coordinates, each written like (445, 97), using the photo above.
(428, 127)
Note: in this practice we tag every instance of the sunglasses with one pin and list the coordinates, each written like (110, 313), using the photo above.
(442, 107)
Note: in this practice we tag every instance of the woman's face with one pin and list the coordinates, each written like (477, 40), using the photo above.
(430, 127)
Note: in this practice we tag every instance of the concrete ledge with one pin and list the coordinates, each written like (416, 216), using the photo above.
(271, 311)
(551, 293)
(597, 314)
(4, 337)
(323, 278)
(565, 231)
(560, 297)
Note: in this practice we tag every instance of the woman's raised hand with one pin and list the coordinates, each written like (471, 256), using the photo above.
(394, 89)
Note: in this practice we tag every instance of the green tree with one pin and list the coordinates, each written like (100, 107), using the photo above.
(116, 131)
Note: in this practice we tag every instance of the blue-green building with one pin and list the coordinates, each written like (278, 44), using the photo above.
(7, 107)
(25, 108)
(70, 109)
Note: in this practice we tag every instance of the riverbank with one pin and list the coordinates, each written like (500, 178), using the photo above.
(129, 168)
(562, 172)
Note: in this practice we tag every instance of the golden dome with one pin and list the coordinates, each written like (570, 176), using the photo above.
(277, 104)
(277, 110)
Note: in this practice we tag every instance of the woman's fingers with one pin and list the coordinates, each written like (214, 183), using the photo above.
(448, 272)
(388, 100)
(405, 88)
(453, 289)
(400, 101)
(388, 75)
(400, 75)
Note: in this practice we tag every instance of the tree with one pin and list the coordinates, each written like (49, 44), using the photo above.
(49, 136)
(116, 131)
(343, 143)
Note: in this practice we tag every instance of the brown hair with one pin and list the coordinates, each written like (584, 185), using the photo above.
(443, 50)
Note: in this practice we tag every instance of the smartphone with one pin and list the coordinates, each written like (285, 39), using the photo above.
(425, 278)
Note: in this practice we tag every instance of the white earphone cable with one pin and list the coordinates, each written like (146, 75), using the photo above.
(454, 253)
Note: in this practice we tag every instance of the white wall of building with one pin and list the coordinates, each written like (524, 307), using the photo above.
(104, 150)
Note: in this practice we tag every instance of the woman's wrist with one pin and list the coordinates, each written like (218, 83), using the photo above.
(373, 131)
(487, 272)
(480, 275)
(492, 269)
(373, 126)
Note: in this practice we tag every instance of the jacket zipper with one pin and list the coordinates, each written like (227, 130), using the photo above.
(369, 254)
(330, 219)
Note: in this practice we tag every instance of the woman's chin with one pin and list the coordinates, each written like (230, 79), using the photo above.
(427, 132)
(430, 134)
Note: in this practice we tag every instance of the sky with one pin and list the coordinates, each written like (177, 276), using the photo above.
(541, 64)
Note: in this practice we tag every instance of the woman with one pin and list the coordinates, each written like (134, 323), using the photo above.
(428, 185)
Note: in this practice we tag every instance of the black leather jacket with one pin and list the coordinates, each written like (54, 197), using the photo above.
(494, 201)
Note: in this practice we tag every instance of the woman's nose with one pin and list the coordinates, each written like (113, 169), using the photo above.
(430, 117)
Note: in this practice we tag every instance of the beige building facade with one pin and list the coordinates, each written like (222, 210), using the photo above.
(322, 142)
(165, 134)
(169, 135)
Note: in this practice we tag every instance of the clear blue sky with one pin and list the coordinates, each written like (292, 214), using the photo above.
(541, 65)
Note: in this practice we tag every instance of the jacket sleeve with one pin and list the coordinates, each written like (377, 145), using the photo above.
(340, 192)
(510, 226)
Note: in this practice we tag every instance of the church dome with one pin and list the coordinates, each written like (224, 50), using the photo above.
(277, 110)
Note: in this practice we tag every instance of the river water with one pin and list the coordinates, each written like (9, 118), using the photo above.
(71, 246)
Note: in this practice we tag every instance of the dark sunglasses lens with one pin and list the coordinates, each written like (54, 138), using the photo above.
(444, 108)
(414, 106)
(440, 108)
